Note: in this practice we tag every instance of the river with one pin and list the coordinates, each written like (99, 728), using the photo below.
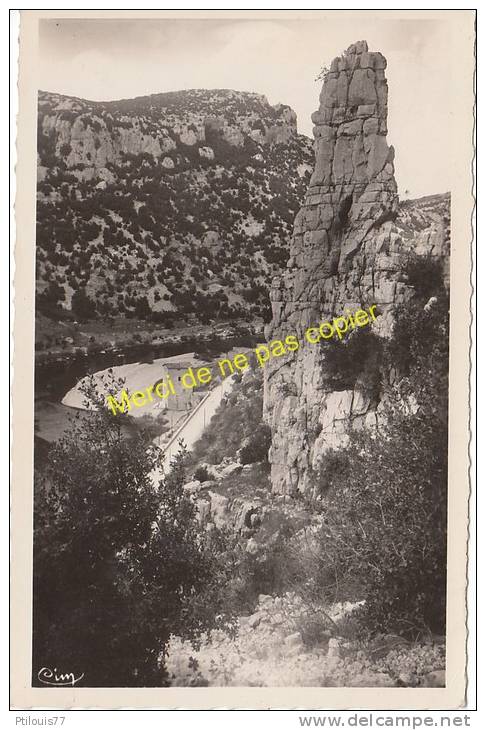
(58, 395)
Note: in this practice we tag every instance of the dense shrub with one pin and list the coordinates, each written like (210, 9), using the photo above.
(82, 305)
(419, 349)
(119, 561)
(385, 526)
(385, 531)
(359, 355)
(257, 445)
(331, 471)
(424, 274)
(202, 474)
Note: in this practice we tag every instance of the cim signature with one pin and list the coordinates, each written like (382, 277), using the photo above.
(51, 677)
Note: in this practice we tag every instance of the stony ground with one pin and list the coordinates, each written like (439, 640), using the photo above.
(268, 650)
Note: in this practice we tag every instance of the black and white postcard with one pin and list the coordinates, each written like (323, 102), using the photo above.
(241, 397)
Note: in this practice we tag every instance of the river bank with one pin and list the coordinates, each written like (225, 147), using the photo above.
(59, 367)
(59, 379)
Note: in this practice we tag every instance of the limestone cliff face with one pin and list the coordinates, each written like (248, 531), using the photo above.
(90, 136)
(347, 252)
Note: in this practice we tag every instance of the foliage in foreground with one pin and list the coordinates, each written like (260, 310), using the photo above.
(385, 527)
(118, 559)
(385, 496)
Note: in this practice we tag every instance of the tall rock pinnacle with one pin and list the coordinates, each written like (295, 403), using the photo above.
(353, 188)
(337, 261)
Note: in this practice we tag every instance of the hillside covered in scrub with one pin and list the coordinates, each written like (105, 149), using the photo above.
(176, 204)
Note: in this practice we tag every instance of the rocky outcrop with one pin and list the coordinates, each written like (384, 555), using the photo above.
(93, 135)
(277, 646)
(347, 252)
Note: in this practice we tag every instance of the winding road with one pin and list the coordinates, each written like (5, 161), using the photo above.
(193, 428)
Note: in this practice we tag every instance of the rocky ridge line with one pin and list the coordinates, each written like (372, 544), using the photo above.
(97, 134)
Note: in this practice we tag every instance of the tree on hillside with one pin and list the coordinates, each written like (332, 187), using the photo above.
(118, 558)
(82, 305)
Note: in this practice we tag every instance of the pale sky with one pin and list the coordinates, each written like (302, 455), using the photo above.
(113, 59)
